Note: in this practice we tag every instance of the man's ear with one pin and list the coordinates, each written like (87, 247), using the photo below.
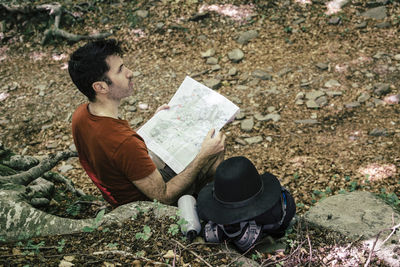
(100, 87)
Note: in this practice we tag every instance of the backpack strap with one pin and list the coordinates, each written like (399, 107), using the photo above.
(274, 226)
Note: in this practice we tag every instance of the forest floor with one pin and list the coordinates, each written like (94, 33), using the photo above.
(347, 139)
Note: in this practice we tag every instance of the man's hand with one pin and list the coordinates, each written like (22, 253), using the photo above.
(213, 145)
(162, 107)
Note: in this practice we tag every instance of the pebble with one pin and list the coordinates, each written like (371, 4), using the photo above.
(209, 53)
(65, 168)
(378, 132)
(136, 121)
(352, 104)
(215, 67)
(213, 83)
(375, 13)
(254, 140)
(363, 97)
(321, 101)
(284, 71)
(245, 37)
(332, 83)
(397, 57)
(314, 94)
(311, 104)
(381, 89)
(334, 20)
(247, 124)
(236, 55)
(240, 115)
(322, 66)
(232, 71)
(212, 61)
(142, 13)
(262, 75)
(240, 141)
(306, 121)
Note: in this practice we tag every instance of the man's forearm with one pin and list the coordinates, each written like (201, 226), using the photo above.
(182, 181)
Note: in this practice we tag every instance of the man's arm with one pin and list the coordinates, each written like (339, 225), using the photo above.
(154, 187)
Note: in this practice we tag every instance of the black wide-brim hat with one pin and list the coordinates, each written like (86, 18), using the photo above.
(238, 193)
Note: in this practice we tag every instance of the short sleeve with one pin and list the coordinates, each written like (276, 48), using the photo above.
(133, 159)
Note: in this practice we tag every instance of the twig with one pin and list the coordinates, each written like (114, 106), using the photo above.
(125, 253)
(287, 257)
(193, 253)
(394, 229)
(309, 244)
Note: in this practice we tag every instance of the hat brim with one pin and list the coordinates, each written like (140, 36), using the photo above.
(210, 209)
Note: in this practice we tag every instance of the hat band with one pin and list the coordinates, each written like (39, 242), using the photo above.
(239, 204)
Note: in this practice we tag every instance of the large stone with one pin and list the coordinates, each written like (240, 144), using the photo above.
(375, 13)
(209, 53)
(332, 83)
(236, 55)
(359, 215)
(381, 89)
(245, 37)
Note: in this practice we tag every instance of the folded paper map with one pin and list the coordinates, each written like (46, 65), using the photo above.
(175, 135)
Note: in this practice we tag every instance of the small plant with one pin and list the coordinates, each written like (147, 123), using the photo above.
(173, 229)
(296, 175)
(288, 29)
(145, 235)
(96, 223)
(35, 247)
(61, 245)
(183, 224)
(73, 210)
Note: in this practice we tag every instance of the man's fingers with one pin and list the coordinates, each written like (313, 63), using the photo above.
(210, 133)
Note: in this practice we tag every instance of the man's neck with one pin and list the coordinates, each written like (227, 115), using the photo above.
(104, 108)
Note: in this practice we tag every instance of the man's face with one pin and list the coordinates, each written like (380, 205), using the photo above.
(121, 78)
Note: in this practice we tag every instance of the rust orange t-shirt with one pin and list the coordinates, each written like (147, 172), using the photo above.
(112, 154)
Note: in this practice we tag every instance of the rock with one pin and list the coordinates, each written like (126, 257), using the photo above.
(352, 104)
(284, 71)
(378, 102)
(209, 53)
(322, 66)
(383, 25)
(236, 55)
(262, 75)
(240, 115)
(245, 37)
(381, 89)
(247, 124)
(271, 109)
(142, 13)
(23, 163)
(321, 101)
(65, 168)
(299, 102)
(299, 21)
(215, 67)
(332, 83)
(334, 93)
(232, 71)
(334, 20)
(236, 99)
(364, 216)
(363, 97)
(240, 141)
(361, 25)
(136, 121)
(273, 116)
(378, 132)
(375, 13)
(306, 121)
(254, 140)
(397, 57)
(312, 104)
(314, 94)
(213, 83)
(300, 95)
(212, 61)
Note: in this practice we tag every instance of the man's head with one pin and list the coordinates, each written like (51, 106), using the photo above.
(88, 64)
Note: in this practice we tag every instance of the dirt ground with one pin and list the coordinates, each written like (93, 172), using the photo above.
(315, 151)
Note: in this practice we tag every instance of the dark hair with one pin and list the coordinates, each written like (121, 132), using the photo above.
(88, 64)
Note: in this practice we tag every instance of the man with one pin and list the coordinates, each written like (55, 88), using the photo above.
(113, 155)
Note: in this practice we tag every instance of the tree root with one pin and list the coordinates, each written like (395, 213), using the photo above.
(56, 177)
(24, 178)
(57, 10)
